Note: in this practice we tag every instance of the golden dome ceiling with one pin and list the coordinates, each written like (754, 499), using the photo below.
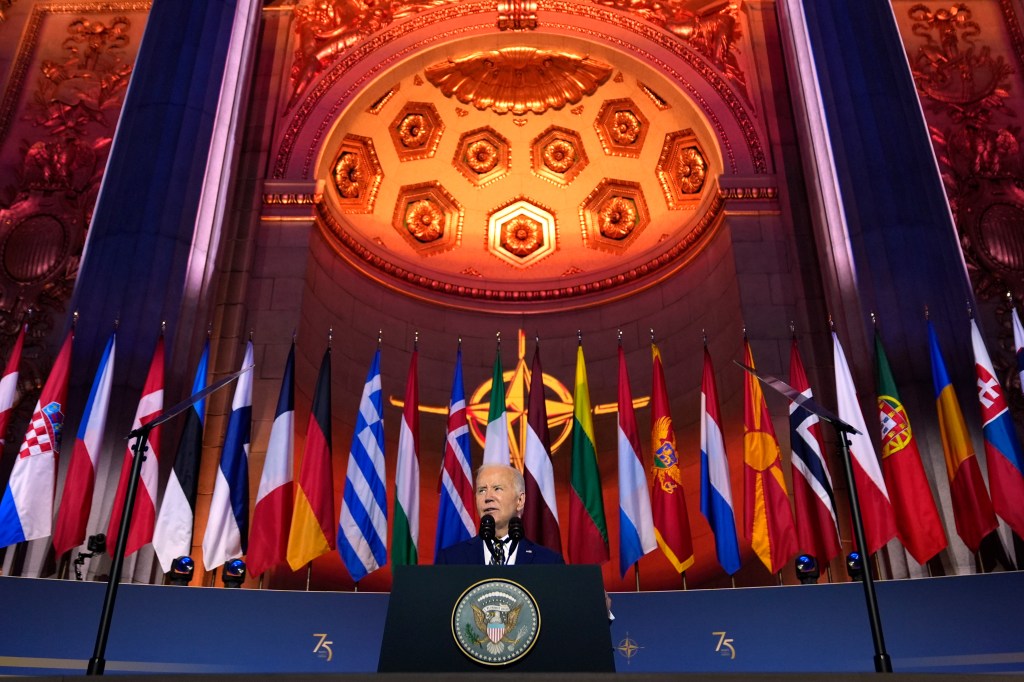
(519, 168)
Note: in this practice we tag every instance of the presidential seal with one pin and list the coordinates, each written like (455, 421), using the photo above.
(496, 622)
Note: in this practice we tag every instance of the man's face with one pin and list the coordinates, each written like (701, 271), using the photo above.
(496, 495)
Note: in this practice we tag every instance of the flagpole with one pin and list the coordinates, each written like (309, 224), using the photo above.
(683, 576)
(309, 574)
(636, 574)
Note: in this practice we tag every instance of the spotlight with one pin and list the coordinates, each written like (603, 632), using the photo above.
(855, 565)
(181, 571)
(234, 573)
(807, 569)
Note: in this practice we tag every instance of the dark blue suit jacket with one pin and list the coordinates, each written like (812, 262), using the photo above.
(472, 552)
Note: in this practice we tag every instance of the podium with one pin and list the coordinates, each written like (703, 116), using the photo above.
(474, 618)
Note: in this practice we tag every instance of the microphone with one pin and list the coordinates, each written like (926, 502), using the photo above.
(487, 532)
(515, 533)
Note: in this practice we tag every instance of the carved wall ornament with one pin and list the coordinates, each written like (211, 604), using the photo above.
(558, 155)
(625, 128)
(613, 215)
(518, 80)
(521, 233)
(357, 174)
(427, 217)
(424, 221)
(482, 155)
(416, 131)
(692, 170)
(622, 127)
(382, 100)
(347, 175)
(617, 217)
(682, 169)
(517, 15)
(965, 88)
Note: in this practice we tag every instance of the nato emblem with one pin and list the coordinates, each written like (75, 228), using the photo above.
(496, 622)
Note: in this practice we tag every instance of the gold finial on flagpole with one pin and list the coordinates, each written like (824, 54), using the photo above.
(250, 336)
(117, 321)
(163, 327)
(652, 335)
(792, 328)
(460, 341)
(831, 324)
(704, 335)
(620, 336)
(498, 336)
(970, 310)
(209, 331)
(579, 337)
(874, 320)
(380, 337)
(74, 320)
(330, 337)
(927, 313)
(416, 340)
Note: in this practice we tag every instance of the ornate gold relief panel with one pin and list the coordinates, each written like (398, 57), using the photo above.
(57, 118)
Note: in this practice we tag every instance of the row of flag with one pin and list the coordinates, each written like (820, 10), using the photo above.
(293, 521)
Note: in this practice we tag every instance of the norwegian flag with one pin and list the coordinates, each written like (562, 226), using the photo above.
(26, 510)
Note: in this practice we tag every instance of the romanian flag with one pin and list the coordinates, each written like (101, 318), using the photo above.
(668, 500)
(917, 519)
(313, 529)
(972, 508)
(768, 520)
(588, 532)
(1002, 449)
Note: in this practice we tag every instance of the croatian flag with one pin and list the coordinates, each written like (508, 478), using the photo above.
(81, 478)
(636, 522)
(1002, 449)
(227, 530)
(715, 488)
(26, 510)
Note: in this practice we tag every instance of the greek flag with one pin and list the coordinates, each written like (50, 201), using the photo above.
(363, 529)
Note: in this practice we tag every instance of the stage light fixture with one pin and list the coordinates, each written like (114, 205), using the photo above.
(234, 573)
(181, 571)
(807, 569)
(855, 565)
(97, 544)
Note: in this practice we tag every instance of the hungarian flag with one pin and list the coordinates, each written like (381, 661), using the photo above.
(668, 500)
(715, 486)
(1018, 344)
(817, 525)
(875, 508)
(636, 522)
(454, 515)
(227, 527)
(9, 384)
(312, 532)
(363, 526)
(405, 530)
(172, 535)
(26, 509)
(1002, 448)
(917, 519)
(143, 514)
(540, 516)
(588, 532)
(496, 450)
(769, 520)
(972, 508)
(75, 503)
(275, 499)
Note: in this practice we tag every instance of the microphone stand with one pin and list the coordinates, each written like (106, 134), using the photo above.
(141, 435)
(515, 534)
(487, 532)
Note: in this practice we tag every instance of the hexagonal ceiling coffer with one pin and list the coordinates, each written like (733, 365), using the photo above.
(614, 215)
(521, 233)
(428, 217)
(416, 131)
(682, 170)
(482, 155)
(621, 127)
(557, 155)
(357, 174)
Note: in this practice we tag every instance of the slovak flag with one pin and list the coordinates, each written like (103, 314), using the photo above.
(1002, 449)
(26, 510)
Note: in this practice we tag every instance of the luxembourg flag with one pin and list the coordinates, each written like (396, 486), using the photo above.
(636, 522)
(227, 530)
(26, 510)
(715, 487)
(1002, 449)
(80, 482)
(9, 384)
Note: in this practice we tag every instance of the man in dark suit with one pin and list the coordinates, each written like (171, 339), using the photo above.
(500, 493)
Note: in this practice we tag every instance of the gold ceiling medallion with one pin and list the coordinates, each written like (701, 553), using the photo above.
(482, 155)
(428, 217)
(558, 155)
(613, 215)
(518, 80)
(357, 174)
(521, 233)
(682, 170)
(416, 131)
(621, 127)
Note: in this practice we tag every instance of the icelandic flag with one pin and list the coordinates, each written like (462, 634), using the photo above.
(227, 530)
(9, 384)
(454, 519)
(715, 488)
(275, 500)
(636, 522)
(1002, 449)
(80, 481)
(26, 510)
(172, 535)
(363, 528)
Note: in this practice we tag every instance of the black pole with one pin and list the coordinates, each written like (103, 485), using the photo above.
(98, 662)
(883, 664)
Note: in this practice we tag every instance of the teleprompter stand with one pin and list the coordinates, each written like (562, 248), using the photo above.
(574, 635)
(141, 436)
(883, 663)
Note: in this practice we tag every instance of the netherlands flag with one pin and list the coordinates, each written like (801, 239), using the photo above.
(715, 486)
(636, 522)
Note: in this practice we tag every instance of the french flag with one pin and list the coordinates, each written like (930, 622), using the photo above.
(275, 499)
(81, 478)
(227, 530)
(1002, 449)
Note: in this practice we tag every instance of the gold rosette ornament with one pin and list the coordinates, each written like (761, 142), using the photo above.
(692, 171)
(559, 156)
(617, 218)
(348, 175)
(482, 156)
(625, 128)
(413, 131)
(424, 221)
(521, 236)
